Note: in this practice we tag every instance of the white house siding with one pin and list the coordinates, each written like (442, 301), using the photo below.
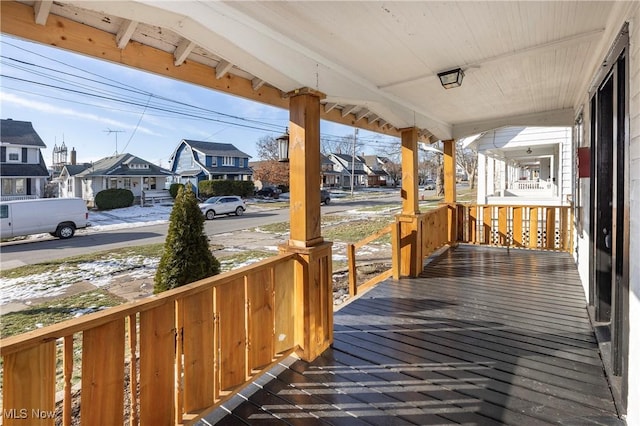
(633, 411)
(566, 168)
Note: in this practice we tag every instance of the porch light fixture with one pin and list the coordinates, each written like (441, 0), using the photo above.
(529, 151)
(452, 78)
(283, 147)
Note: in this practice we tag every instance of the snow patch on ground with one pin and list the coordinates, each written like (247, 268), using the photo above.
(99, 273)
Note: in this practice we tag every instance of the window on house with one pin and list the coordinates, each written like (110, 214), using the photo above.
(127, 183)
(21, 187)
(14, 156)
(7, 188)
(138, 166)
(113, 183)
(227, 161)
(149, 183)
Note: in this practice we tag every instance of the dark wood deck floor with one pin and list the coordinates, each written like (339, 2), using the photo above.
(485, 336)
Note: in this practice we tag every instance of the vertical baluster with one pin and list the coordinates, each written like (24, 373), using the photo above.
(67, 364)
(517, 226)
(178, 364)
(133, 369)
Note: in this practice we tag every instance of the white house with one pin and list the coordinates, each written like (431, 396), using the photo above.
(347, 165)
(23, 173)
(120, 171)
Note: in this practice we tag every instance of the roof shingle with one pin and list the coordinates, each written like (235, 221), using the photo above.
(19, 133)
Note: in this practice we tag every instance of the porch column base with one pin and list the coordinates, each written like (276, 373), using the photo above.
(407, 245)
(313, 283)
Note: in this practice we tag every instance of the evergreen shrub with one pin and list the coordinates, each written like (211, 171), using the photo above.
(173, 189)
(114, 199)
(212, 188)
(186, 255)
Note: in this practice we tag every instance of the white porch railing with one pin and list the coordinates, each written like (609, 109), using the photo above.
(17, 197)
(528, 185)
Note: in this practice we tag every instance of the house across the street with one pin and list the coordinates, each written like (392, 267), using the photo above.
(194, 161)
(142, 178)
(23, 173)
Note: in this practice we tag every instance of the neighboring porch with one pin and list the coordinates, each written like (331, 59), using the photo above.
(525, 165)
(484, 335)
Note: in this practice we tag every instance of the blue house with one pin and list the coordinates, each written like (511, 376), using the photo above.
(194, 161)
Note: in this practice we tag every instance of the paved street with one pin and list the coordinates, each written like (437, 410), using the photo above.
(28, 252)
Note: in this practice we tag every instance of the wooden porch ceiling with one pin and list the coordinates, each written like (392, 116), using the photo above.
(485, 336)
(526, 63)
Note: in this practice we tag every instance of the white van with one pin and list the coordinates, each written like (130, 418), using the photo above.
(58, 216)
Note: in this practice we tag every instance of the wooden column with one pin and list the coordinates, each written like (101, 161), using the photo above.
(304, 164)
(450, 187)
(450, 171)
(408, 244)
(313, 269)
(409, 190)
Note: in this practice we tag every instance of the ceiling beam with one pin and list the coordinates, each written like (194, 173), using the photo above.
(329, 106)
(183, 51)
(348, 109)
(41, 11)
(362, 113)
(257, 83)
(555, 118)
(223, 68)
(125, 32)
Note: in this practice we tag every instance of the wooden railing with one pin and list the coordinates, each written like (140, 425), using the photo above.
(535, 227)
(354, 288)
(184, 351)
(435, 229)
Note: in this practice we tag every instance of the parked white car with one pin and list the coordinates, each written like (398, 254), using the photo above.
(58, 216)
(229, 204)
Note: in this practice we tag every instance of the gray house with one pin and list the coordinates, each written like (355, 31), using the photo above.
(345, 165)
(194, 161)
(374, 166)
(23, 173)
(125, 171)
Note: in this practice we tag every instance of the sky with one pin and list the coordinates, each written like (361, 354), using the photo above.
(100, 108)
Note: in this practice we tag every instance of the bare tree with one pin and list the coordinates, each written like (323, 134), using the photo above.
(271, 172)
(270, 169)
(467, 158)
(339, 145)
(267, 147)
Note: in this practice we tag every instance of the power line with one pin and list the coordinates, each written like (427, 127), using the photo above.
(274, 129)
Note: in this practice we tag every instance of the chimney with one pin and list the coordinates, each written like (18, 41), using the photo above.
(73, 156)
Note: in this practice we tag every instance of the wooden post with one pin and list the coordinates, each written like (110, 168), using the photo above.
(450, 186)
(409, 190)
(408, 251)
(304, 166)
(449, 171)
(312, 272)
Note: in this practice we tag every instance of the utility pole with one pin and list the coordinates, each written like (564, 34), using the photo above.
(109, 131)
(353, 160)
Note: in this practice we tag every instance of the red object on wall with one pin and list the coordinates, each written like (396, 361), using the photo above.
(584, 162)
